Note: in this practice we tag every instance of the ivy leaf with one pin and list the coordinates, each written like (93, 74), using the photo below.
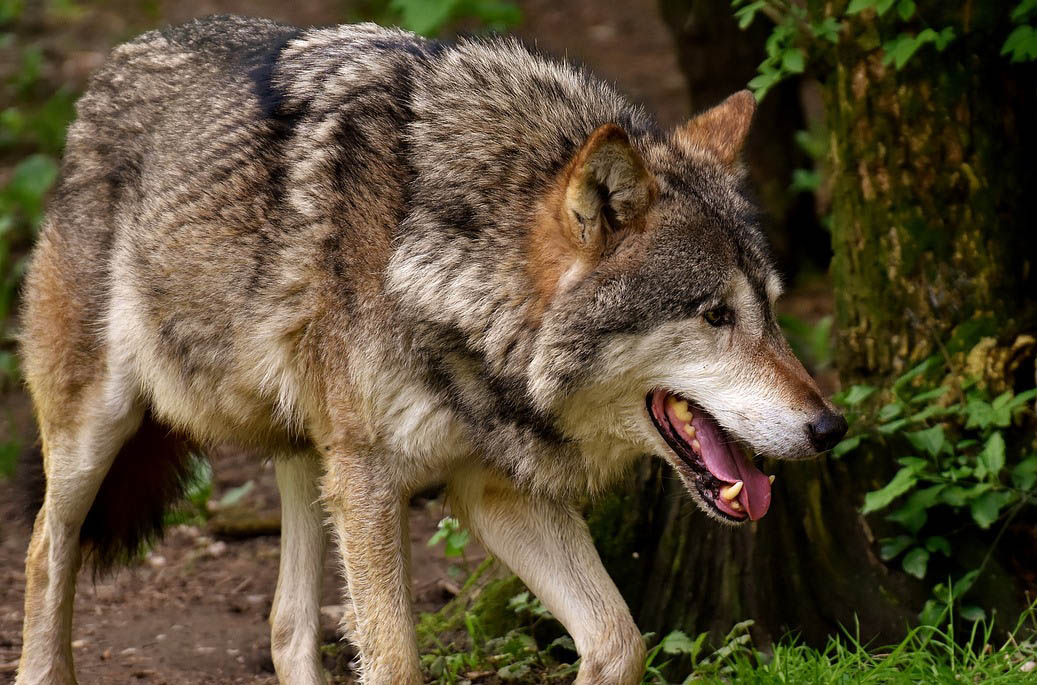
(891, 547)
(677, 642)
(915, 562)
(930, 440)
(1022, 9)
(993, 455)
(904, 480)
(1021, 44)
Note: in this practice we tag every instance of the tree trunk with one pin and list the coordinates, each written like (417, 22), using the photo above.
(930, 176)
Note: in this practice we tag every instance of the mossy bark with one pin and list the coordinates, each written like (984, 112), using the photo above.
(932, 172)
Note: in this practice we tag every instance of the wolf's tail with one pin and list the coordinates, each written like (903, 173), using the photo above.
(151, 472)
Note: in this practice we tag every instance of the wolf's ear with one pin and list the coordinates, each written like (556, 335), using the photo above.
(721, 130)
(608, 188)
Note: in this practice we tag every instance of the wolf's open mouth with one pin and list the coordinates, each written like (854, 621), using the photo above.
(725, 477)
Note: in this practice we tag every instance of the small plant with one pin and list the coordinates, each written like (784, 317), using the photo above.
(455, 539)
(959, 463)
(795, 40)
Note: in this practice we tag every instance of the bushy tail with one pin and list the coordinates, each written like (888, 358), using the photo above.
(150, 473)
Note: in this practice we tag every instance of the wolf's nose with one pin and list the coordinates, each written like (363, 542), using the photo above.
(826, 430)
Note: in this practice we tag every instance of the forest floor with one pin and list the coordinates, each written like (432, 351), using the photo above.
(195, 610)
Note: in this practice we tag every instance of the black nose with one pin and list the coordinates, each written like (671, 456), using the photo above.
(826, 430)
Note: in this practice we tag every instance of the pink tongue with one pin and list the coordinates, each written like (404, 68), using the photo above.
(728, 463)
(725, 461)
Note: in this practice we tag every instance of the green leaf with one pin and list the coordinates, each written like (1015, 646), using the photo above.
(979, 414)
(987, 507)
(930, 440)
(954, 495)
(1023, 397)
(964, 584)
(847, 445)
(913, 514)
(993, 454)
(903, 481)
(891, 547)
(1025, 473)
(1023, 9)
(677, 642)
(857, 6)
(906, 9)
(426, 17)
(915, 562)
(746, 15)
(235, 495)
(915, 371)
(930, 395)
(793, 61)
(890, 411)
(1021, 44)
(972, 613)
(938, 543)
(856, 394)
(893, 427)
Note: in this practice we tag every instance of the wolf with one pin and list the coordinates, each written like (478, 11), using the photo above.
(389, 262)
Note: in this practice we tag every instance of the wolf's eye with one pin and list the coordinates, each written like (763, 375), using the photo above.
(719, 316)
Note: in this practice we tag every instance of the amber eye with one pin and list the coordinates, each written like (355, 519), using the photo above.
(719, 316)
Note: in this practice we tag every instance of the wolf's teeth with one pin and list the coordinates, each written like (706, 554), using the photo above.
(680, 409)
(729, 493)
(695, 445)
(736, 506)
(690, 430)
(771, 479)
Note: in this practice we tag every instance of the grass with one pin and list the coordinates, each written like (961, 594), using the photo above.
(535, 650)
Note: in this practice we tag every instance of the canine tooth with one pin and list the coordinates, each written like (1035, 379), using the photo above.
(736, 506)
(771, 479)
(729, 493)
(695, 445)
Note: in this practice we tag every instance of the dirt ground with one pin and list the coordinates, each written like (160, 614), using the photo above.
(195, 610)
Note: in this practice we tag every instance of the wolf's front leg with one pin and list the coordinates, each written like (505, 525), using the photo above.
(295, 614)
(369, 510)
(547, 544)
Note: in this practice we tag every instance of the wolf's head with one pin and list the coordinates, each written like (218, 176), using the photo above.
(658, 330)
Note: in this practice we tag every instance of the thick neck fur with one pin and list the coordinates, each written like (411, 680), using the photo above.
(492, 128)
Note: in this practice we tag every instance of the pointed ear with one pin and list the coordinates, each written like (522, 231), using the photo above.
(608, 189)
(721, 130)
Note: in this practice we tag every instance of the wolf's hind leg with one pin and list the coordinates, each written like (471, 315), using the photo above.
(295, 615)
(369, 512)
(547, 544)
(78, 452)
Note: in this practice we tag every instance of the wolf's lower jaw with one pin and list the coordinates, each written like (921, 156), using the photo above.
(724, 476)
